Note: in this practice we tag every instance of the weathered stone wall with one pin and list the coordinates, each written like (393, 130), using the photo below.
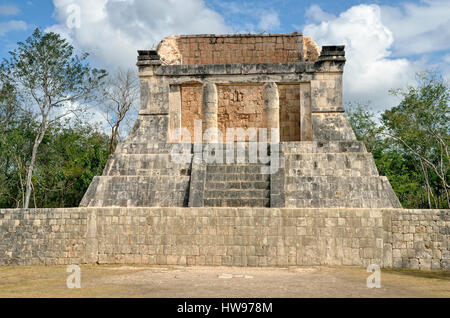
(191, 106)
(326, 92)
(226, 236)
(242, 48)
(331, 126)
(138, 176)
(311, 112)
(417, 239)
(334, 174)
(44, 236)
(240, 106)
(289, 112)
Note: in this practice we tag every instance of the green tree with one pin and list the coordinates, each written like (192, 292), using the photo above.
(71, 155)
(51, 82)
(364, 124)
(420, 127)
(17, 131)
(410, 142)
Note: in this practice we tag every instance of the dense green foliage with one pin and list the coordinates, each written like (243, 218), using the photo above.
(69, 157)
(50, 83)
(410, 142)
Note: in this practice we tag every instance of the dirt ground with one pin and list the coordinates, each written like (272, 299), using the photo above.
(188, 282)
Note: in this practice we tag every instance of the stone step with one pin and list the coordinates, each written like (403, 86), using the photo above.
(147, 148)
(324, 147)
(330, 164)
(145, 164)
(234, 168)
(243, 185)
(236, 202)
(237, 177)
(237, 194)
(288, 147)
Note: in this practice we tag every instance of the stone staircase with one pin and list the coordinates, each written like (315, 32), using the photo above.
(332, 174)
(236, 185)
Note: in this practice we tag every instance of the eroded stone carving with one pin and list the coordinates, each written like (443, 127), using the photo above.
(311, 50)
(169, 51)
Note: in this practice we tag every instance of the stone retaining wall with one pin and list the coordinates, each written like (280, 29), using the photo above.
(417, 239)
(226, 236)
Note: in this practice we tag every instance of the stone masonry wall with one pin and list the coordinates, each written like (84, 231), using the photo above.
(44, 236)
(289, 112)
(191, 106)
(226, 236)
(210, 49)
(240, 106)
(416, 239)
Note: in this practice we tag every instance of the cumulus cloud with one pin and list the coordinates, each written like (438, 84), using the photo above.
(370, 71)
(9, 10)
(418, 28)
(316, 14)
(13, 25)
(113, 30)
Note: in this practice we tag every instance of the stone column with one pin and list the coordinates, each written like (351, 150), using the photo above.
(306, 131)
(154, 90)
(272, 110)
(210, 110)
(153, 119)
(174, 111)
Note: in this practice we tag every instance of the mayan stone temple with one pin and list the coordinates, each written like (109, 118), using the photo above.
(280, 82)
(241, 156)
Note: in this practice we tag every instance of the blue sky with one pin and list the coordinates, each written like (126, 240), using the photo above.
(291, 14)
(386, 41)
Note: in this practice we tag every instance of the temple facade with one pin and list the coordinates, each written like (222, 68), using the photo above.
(247, 120)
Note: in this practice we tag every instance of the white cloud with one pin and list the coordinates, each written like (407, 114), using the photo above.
(113, 30)
(419, 28)
(9, 10)
(316, 14)
(13, 25)
(74, 113)
(268, 21)
(369, 71)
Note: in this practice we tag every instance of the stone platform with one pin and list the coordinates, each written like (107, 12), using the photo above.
(226, 236)
(314, 174)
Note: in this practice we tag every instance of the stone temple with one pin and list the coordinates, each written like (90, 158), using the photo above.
(197, 90)
(241, 156)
